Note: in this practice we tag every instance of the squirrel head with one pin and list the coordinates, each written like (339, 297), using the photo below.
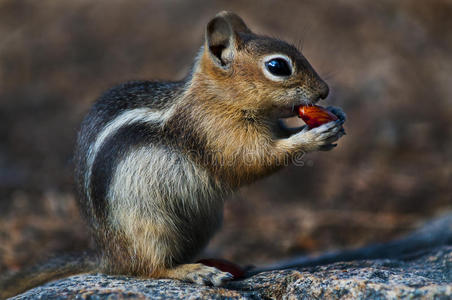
(255, 73)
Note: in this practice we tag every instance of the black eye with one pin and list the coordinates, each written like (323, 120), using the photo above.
(278, 67)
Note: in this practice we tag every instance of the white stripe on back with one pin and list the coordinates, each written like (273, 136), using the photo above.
(133, 116)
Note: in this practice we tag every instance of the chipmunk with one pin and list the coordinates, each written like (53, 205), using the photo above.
(155, 160)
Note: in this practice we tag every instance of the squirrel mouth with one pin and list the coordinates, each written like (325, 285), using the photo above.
(311, 102)
(291, 110)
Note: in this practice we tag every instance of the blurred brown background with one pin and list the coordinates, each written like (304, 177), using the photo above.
(388, 64)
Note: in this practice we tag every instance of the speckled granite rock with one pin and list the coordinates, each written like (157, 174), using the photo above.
(424, 275)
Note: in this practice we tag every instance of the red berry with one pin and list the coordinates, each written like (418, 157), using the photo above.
(314, 115)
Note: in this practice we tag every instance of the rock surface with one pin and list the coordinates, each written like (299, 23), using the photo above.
(425, 274)
(418, 266)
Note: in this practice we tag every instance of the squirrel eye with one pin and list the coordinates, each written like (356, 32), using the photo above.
(278, 67)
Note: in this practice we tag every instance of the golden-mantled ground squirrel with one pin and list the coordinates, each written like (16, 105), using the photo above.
(155, 160)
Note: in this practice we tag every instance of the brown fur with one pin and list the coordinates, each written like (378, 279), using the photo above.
(242, 102)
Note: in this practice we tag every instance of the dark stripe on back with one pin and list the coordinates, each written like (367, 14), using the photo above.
(184, 133)
(136, 94)
(113, 150)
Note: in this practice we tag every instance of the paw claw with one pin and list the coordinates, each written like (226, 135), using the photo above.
(210, 276)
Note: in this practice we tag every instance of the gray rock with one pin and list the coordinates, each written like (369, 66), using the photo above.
(418, 266)
(426, 275)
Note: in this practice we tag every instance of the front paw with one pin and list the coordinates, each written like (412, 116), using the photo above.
(319, 138)
(338, 112)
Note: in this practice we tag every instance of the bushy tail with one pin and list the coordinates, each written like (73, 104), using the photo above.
(55, 268)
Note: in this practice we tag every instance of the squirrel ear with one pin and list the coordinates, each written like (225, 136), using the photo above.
(222, 37)
(234, 21)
